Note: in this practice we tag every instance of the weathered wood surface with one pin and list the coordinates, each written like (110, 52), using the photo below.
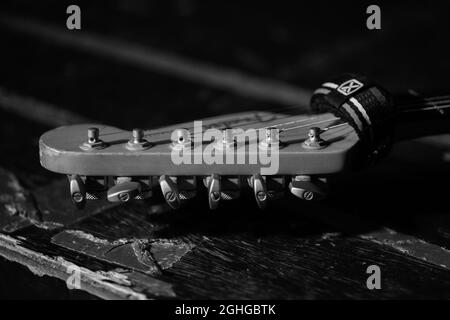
(394, 215)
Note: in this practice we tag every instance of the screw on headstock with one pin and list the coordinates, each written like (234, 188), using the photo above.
(124, 197)
(77, 197)
(215, 196)
(170, 196)
(261, 195)
(308, 195)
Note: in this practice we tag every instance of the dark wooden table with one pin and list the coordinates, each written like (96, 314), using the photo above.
(147, 64)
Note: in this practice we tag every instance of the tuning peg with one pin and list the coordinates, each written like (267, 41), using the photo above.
(77, 191)
(137, 141)
(93, 141)
(272, 138)
(314, 140)
(227, 141)
(306, 189)
(170, 191)
(214, 191)
(260, 190)
(124, 191)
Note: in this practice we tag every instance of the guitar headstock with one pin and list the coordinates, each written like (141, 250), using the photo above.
(265, 151)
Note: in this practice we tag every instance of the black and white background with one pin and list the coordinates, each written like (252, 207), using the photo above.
(146, 64)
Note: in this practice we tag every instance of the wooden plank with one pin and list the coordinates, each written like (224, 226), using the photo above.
(109, 285)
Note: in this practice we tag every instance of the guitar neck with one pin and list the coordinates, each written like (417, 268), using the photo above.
(418, 117)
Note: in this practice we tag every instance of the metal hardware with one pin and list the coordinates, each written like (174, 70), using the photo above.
(314, 140)
(170, 191)
(181, 139)
(260, 190)
(137, 142)
(124, 191)
(77, 191)
(214, 191)
(93, 141)
(272, 138)
(307, 188)
(227, 140)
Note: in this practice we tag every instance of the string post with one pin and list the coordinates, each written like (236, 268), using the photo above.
(314, 140)
(271, 138)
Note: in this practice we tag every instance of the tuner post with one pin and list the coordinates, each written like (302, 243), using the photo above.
(138, 135)
(137, 141)
(181, 139)
(93, 140)
(93, 135)
(271, 138)
(227, 141)
(314, 140)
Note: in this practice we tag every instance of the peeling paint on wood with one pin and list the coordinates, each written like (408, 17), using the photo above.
(144, 255)
(104, 284)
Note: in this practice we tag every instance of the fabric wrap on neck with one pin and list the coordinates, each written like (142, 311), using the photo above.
(367, 107)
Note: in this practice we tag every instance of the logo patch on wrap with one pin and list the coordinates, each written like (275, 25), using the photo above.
(349, 86)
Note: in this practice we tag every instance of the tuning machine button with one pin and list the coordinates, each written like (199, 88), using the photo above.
(124, 191)
(170, 191)
(306, 188)
(214, 191)
(266, 188)
(260, 190)
(222, 188)
(77, 191)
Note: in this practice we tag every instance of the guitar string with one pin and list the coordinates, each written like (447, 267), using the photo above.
(437, 108)
(434, 107)
(290, 122)
(306, 125)
(432, 102)
(332, 119)
(428, 101)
